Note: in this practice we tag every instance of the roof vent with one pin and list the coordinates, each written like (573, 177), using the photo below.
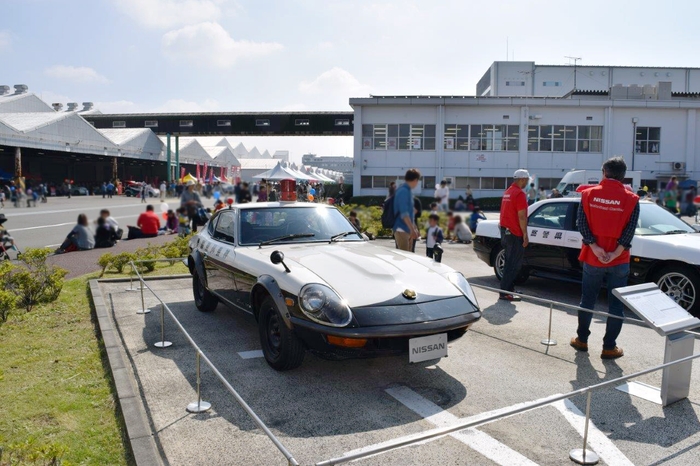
(21, 88)
(87, 106)
(72, 107)
(4, 90)
(57, 106)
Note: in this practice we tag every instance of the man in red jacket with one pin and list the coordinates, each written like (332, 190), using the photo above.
(607, 218)
(513, 224)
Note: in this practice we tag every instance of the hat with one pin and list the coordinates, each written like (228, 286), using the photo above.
(519, 174)
(189, 183)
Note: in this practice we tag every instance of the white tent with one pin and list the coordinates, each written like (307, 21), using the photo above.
(278, 173)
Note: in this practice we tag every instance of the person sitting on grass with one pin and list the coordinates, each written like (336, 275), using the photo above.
(80, 237)
(105, 235)
(8, 242)
(171, 224)
(147, 225)
(462, 232)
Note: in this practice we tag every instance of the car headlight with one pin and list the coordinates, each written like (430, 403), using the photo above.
(458, 280)
(321, 304)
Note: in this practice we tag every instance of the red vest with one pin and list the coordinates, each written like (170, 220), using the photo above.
(608, 207)
(514, 200)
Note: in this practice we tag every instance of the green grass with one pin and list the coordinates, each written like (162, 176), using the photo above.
(55, 384)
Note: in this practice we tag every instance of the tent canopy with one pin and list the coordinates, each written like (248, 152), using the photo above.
(278, 173)
(188, 177)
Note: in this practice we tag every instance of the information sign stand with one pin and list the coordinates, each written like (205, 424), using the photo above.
(669, 320)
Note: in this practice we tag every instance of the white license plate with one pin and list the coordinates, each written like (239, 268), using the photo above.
(427, 348)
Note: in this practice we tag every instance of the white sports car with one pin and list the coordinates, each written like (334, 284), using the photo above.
(665, 249)
(313, 282)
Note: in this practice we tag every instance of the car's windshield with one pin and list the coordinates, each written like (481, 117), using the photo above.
(655, 220)
(314, 223)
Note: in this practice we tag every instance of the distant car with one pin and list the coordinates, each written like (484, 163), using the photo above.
(313, 282)
(665, 249)
(134, 190)
(79, 191)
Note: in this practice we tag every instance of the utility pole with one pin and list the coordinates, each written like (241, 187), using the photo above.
(576, 60)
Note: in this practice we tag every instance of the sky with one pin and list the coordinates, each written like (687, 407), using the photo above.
(235, 55)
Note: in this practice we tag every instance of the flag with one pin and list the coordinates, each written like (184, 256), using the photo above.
(197, 173)
(211, 174)
(182, 172)
(204, 172)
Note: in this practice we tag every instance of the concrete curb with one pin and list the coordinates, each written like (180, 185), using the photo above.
(141, 438)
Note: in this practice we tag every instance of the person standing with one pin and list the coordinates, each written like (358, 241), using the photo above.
(542, 194)
(163, 190)
(191, 202)
(442, 196)
(103, 189)
(110, 189)
(513, 224)
(143, 193)
(433, 236)
(405, 231)
(607, 218)
(531, 194)
(392, 189)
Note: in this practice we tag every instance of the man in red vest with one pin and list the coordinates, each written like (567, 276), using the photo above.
(513, 225)
(607, 218)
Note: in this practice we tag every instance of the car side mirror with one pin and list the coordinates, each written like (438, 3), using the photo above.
(277, 257)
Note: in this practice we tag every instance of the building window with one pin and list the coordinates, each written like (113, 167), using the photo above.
(262, 122)
(551, 83)
(429, 182)
(186, 123)
(561, 138)
(647, 140)
(398, 137)
(151, 124)
(515, 83)
(119, 124)
(342, 122)
(223, 122)
(482, 137)
(366, 182)
(300, 122)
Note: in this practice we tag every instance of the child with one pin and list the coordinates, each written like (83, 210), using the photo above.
(434, 235)
(450, 223)
(5, 238)
(183, 228)
(354, 220)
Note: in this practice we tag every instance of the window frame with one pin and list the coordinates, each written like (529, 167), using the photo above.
(643, 145)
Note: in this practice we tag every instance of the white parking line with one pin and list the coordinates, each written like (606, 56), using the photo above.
(597, 440)
(41, 211)
(475, 439)
(251, 354)
(55, 225)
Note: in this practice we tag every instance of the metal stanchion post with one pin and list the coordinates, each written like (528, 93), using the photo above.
(548, 341)
(583, 455)
(162, 343)
(198, 406)
(131, 280)
(144, 309)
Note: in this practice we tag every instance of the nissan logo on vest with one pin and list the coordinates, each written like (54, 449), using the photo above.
(600, 200)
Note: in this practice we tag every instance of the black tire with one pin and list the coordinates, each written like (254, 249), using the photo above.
(203, 299)
(682, 284)
(498, 259)
(282, 349)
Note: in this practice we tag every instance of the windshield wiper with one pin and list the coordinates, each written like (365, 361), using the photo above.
(676, 232)
(342, 235)
(286, 237)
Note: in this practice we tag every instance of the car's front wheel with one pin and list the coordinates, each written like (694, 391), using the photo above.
(282, 349)
(203, 299)
(682, 284)
(499, 263)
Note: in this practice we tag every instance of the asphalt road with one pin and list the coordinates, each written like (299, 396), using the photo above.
(324, 409)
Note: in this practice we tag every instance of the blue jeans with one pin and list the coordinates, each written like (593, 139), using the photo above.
(616, 277)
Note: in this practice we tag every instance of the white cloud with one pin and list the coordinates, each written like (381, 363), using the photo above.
(326, 45)
(164, 14)
(335, 81)
(181, 105)
(5, 40)
(208, 44)
(79, 74)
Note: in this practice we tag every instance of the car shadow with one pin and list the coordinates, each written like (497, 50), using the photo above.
(320, 398)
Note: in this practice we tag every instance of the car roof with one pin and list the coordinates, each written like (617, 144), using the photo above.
(294, 204)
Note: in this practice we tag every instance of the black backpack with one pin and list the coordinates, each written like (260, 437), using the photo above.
(388, 214)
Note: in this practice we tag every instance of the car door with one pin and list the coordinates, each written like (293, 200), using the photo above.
(572, 243)
(546, 228)
(221, 255)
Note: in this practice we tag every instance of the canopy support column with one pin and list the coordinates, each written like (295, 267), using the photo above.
(168, 159)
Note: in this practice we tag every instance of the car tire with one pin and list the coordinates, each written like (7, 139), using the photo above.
(498, 260)
(282, 349)
(203, 299)
(682, 284)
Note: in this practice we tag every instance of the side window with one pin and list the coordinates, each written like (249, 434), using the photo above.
(211, 225)
(225, 227)
(550, 216)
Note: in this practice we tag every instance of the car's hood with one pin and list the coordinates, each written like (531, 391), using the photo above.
(365, 274)
(680, 247)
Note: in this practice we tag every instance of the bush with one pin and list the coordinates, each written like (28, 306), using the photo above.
(8, 301)
(177, 248)
(145, 255)
(31, 453)
(105, 261)
(121, 260)
(33, 281)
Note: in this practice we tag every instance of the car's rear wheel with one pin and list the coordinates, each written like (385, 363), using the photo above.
(499, 262)
(282, 349)
(203, 299)
(682, 284)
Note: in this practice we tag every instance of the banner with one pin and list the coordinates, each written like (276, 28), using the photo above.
(204, 172)
(197, 172)
(211, 174)
(182, 172)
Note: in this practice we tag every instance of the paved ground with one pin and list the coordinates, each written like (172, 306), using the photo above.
(324, 409)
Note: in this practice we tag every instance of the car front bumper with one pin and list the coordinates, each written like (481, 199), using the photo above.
(483, 246)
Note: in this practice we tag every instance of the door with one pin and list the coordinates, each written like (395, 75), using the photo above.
(221, 255)
(573, 243)
(546, 229)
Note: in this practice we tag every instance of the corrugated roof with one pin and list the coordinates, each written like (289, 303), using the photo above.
(123, 135)
(24, 103)
(27, 122)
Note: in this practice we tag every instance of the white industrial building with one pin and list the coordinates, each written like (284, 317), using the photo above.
(480, 141)
(334, 163)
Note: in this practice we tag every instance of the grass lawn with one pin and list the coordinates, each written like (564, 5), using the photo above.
(55, 383)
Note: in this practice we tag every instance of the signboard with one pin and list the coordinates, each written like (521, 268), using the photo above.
(656, 308)
(415, 143)
(391, 144)
(449, 143)
(366, 143)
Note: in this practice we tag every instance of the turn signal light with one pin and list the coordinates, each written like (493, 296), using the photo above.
(347, 342)
(289, 302)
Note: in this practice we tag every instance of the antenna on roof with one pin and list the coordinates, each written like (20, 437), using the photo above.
(576, 60)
